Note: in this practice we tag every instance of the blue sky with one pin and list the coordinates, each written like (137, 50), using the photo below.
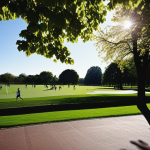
(15, 62)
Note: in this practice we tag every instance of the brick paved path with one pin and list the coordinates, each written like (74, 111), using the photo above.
(93, 134)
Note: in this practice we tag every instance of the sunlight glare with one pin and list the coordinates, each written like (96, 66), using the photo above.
(127, 24)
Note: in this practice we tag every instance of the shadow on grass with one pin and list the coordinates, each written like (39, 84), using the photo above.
(48, 89)
(69, 103)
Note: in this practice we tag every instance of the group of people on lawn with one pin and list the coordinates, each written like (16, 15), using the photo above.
(53, 87)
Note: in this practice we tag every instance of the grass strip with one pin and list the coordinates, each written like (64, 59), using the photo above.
(19, 120)
(105, 98)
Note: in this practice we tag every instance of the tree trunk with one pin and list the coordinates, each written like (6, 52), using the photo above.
(141, 101)
(120, 78)
(141, 73)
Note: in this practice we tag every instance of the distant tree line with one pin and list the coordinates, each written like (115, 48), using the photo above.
(114, 76)
(44, 77)
(68, 76)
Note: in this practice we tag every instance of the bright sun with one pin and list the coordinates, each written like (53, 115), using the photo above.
(127, 24)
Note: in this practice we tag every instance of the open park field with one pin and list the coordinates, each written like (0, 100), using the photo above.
(41, 91)
(42, 96)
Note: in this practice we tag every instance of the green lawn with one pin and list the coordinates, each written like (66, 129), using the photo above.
(126, 99)
(18, 120)
(41, 91)
(42, 96)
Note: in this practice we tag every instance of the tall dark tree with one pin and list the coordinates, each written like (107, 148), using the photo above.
(46, 77)
(113, 76)
(93, 76)
(69, 76)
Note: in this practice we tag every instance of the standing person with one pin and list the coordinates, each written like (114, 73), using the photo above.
(18, 94)
(59, 87)
(74, 87)
(26, 86)
(55, 88)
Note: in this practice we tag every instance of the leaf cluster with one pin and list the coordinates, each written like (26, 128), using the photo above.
(117, 42)
(50, 22)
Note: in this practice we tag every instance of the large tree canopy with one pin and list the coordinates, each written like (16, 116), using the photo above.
(46, 76)
(68, 76)
(120, 44)
(50, 22)
(93, 76)
(7, 77)
(113, 76)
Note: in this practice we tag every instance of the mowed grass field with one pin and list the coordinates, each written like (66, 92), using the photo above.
(43, 96)
(41, 91)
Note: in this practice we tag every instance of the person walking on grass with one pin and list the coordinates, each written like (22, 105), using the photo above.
(18, 94)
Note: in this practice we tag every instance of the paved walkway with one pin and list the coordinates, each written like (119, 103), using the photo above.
(92, 134)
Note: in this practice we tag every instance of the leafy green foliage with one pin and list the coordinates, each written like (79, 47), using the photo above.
(117, 42)
(69, 76)
(7, 77)
(113, 76)
(130, 76)
(93, 76)
(51, 22)
(46, 77)
(55, 80)
(134, 42)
